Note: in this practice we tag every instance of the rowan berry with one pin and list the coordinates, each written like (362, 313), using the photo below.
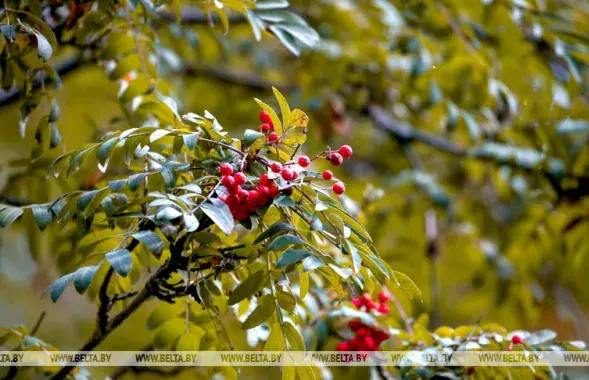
(304, 161)
(240, 178)
(226, 169)
(346, 151)
(338, 188)
(276, 167)
(273, 138)
(336, 159)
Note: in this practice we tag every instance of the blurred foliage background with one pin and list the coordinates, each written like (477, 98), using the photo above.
(469, 121)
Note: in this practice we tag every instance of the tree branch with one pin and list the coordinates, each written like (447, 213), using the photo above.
(405, 134)
(251, 81)
(98, 336)
(194, 15)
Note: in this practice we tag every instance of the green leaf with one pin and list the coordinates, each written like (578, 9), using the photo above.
(286, 300)
(105, 149)
(312, 263)
(86, 198)
(220, 214)
(168, 213)
(250, 136)
(169, 176)
(261, 313)
(121, 261)
(376, 266)
(190, 222)
(136, 180)
(356, 258)
(292, 256)
(56, 289)
(273, 230)
(248, 287)
(284, 241)
(154, 244)
(42, 215)
(158, 134)
(117, 184)
(83, 277)
(572, 126)
(8, 215)
(407, 286)
(43, 46)
(190, 140)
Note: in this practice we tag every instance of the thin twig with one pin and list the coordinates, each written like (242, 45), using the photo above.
(38, 323)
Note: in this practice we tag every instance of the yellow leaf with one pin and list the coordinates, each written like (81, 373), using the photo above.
(288, 373)
(275, 341)
(284, 108)
(298, 119)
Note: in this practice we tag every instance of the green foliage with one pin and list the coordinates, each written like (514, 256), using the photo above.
(470, 116)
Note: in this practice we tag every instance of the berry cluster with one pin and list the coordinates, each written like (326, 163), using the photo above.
(242, 199)
(336, 159)
(368, 338)
(365, 302)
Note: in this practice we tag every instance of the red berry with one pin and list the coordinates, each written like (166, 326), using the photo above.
(276, 167)
(287, 174)
(265, 127)
(370, 304)
(384, 296)
(272, 138)
(327, 175)
(265, 117)
(516, 339)
(338, 188)
(265, 180)
(354, 343)
(336, 159)
(355, 324)
(228, 181)
(369, 341)
(366, 297)
(383, 308)
(226, 169)
(346, 151)
(273, 191)
(362, 332)
(343, 346)
(304, 161)
(252, 196)
(295, 175)
(263, 190)
(241, 215)
(239, 178)
(357, 302)
(243, 194)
